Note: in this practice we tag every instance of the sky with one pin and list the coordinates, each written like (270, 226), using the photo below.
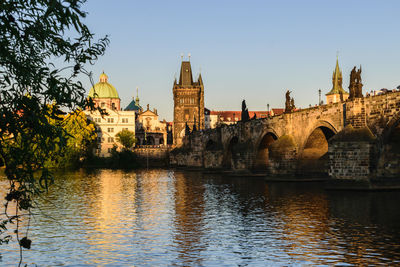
(252, 50)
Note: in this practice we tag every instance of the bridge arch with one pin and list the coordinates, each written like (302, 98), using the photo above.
(391, 127)
(313, 153)
(261, 149)
(316, 143)
(229, 152)
(389, 160)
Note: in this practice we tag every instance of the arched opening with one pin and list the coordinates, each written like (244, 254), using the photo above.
(161, 141)
(314, 156)
(262, 154)
(150, 141)
(230, 152)
(210, 145)
(317, 143)
(389, 162)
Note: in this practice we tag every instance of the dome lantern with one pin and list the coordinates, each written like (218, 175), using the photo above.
(103, 78)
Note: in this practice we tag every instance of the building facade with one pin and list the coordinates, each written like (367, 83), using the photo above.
(188, 103)
(337, 92)
(107, 126)
(149, 130)
(106, 96)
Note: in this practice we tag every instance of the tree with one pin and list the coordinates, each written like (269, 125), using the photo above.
(44, 49)
(126, 138)
(80, 135)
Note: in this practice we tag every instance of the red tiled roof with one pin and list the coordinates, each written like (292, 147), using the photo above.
(278, 111)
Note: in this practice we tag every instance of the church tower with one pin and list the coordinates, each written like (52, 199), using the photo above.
(188, 103)
(337, 92)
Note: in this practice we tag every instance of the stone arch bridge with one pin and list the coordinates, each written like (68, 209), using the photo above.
(299, 142)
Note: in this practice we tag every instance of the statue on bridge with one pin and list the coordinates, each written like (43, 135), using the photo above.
(289, 103)
(356, 85)
(245, 112)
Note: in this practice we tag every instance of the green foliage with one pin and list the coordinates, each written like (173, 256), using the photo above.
(126, 138)
(80, 134)
(34, 35)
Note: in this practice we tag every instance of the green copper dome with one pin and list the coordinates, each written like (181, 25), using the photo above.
(103, 89)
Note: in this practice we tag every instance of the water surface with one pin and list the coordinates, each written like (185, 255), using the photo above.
(165, 217)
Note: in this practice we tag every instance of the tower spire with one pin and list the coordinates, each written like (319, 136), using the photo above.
(337, 80)
(137, 95)
(186, 77)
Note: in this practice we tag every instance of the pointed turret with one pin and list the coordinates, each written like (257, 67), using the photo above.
(200, 80)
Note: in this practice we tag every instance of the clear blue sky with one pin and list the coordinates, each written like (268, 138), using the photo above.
(253, 50)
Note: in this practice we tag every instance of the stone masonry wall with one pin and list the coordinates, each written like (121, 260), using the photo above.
(351, 160)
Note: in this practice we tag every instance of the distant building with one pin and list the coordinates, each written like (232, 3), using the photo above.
(106, 96)
(134, 104)
(149, 130)
(337, 92)
(214, 119)
(188, 103)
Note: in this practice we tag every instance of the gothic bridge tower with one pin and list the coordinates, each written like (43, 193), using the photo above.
(188, 103)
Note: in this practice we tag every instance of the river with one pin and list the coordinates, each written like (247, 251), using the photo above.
(166, 217)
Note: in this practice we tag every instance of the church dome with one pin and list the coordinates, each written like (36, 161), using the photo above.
(103, 89)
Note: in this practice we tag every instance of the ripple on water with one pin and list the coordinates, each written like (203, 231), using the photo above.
(161, 217)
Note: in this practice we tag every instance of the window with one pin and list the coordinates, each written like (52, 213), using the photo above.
(99, 139)
(113, 106)
(97, 119)
(110, 130)
(102, 104)
(110, 120)
(110, 139)
(124, 120)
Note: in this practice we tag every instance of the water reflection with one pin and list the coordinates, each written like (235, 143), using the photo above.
(162, 217)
